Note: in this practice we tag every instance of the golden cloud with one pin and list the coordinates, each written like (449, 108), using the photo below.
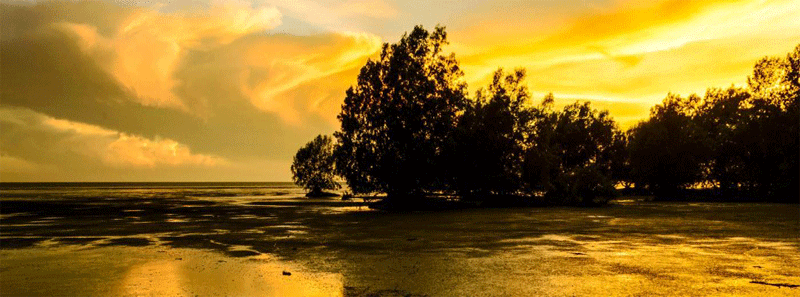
(103, 79)
(159, 57)
(15, 165)
(111, 147)
(134, 150)
(335, 15)
(275, 66)
(637, 52)
(146, 47)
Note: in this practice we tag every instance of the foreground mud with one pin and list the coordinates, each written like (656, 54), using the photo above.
(261, 244)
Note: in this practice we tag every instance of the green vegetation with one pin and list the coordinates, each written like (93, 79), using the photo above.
(410, 131)
(313, 166)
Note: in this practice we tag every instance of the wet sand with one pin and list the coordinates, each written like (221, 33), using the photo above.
(241, 245)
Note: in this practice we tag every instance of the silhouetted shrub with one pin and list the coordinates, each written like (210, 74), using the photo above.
(313, 166)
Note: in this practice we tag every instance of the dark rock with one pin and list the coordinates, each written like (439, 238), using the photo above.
(321, 195)
(775, 285)
(243, 253)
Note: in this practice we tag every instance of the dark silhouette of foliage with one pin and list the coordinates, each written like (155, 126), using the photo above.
(721, 117)
(399, 116)
(408, 130)
(571, 153)
(742, 142)
(313, 166)
(769, 133)
(491, 138)
(620, 161)
(667, 152)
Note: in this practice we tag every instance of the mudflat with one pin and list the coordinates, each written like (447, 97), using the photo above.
(270, 241)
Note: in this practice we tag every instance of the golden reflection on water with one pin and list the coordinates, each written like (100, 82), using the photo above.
(531, 252)
(212, 274)
(157, 278)
(545, 265)
(155, 271)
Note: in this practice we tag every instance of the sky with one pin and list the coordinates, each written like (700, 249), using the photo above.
(229, 90)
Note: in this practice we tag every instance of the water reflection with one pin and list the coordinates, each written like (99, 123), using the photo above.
(126, 271)
(157, 278)
(131, 245)
(211, 274)
(546, 265)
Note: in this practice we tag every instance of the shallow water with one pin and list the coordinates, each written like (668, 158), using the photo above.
(238, 239)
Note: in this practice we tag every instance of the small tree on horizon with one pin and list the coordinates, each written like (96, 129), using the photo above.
(312, 167)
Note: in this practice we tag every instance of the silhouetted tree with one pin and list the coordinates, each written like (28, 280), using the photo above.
(751, 135)
(669, 150)
(770, 131)
(399, 116)
(408, 130)
(491, 138)
(570, 159)
(620, 161)
(313, 166)
(776, 81)
(721, 117)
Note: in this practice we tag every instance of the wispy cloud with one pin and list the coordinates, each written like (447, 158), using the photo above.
(108, 86)
(58, 136)
(147, 47)
(637, 52)
(336, 15)
(15, 165)
(271, 68)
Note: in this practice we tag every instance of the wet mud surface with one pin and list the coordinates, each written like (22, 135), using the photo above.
(245, 239)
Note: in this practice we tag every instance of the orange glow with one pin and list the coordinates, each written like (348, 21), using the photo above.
(284, 66)
(635, 53)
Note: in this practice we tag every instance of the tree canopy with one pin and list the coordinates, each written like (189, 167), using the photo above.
(410, 130)
(313, 166)
(488, 146)
(571, 153)
(668, 150)
(743, 142)
(399, 115)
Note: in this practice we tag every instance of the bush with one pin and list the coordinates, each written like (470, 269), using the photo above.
(313, 166)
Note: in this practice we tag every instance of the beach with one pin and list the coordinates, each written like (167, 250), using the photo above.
(266, 239)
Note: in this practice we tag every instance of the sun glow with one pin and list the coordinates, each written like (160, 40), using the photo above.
(201, 74)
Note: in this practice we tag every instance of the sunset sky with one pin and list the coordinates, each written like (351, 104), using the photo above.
(228, 91)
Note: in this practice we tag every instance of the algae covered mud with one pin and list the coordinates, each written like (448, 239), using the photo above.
(265, 239)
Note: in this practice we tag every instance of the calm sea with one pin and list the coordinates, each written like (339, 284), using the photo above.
(150, 190)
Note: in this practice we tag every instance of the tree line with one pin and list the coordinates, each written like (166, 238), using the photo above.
(410, 130)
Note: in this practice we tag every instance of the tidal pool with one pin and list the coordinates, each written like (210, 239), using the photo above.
(263, 245)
